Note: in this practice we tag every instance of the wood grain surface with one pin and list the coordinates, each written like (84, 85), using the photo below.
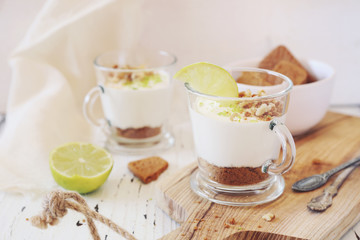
(335, 140)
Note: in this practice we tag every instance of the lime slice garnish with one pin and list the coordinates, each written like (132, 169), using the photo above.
(209, 79)
(80, 167)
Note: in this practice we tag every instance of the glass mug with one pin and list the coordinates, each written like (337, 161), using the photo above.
(135, 89)
(242, 144)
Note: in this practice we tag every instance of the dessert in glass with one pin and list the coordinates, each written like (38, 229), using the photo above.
(136, 95)
(242, 144)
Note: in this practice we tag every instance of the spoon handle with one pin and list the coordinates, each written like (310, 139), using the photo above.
(324, 201)
(341, 167)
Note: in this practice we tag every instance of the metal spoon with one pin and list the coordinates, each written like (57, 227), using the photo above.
(324, 201)
(316, 181)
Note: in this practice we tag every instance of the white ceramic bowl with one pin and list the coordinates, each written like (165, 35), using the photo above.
(308, 102)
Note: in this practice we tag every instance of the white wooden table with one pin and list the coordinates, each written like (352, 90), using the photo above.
(123, 199)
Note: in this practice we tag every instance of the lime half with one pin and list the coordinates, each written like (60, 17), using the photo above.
(209, 79)
(80, 167)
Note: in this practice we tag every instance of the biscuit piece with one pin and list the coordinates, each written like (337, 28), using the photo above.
(253, 78)
(276, 55)
(148, 169)
(297, 74)
(282, 53)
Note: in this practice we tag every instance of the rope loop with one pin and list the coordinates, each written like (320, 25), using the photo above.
(56, 204)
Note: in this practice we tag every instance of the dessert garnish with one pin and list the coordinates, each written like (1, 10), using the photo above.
(242, 110)
(214, 80)
(209, 79)
(133, 79)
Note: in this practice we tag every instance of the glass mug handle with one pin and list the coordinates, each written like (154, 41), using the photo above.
(288, 155)
(88, 106)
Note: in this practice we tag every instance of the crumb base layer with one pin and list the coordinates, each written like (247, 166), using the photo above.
(158, 144)
(249, 195)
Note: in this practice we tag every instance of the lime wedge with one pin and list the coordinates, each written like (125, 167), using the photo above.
(209, 79)
(80, 167)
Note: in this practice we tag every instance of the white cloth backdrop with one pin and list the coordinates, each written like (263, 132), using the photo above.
(51, 73)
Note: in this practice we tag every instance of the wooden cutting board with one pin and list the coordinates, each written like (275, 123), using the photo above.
(333, 141)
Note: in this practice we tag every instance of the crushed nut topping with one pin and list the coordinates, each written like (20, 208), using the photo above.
(132, 79)
(244, 110)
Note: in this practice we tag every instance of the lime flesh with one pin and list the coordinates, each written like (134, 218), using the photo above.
(209, 79)
(80, 167)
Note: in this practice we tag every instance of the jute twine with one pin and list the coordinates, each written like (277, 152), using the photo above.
(56, 205)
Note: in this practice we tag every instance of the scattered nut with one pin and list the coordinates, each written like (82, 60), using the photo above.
(268, 217)
(232, 221)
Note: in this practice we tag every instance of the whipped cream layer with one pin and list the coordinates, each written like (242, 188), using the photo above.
(226, 136)
(137, 105)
